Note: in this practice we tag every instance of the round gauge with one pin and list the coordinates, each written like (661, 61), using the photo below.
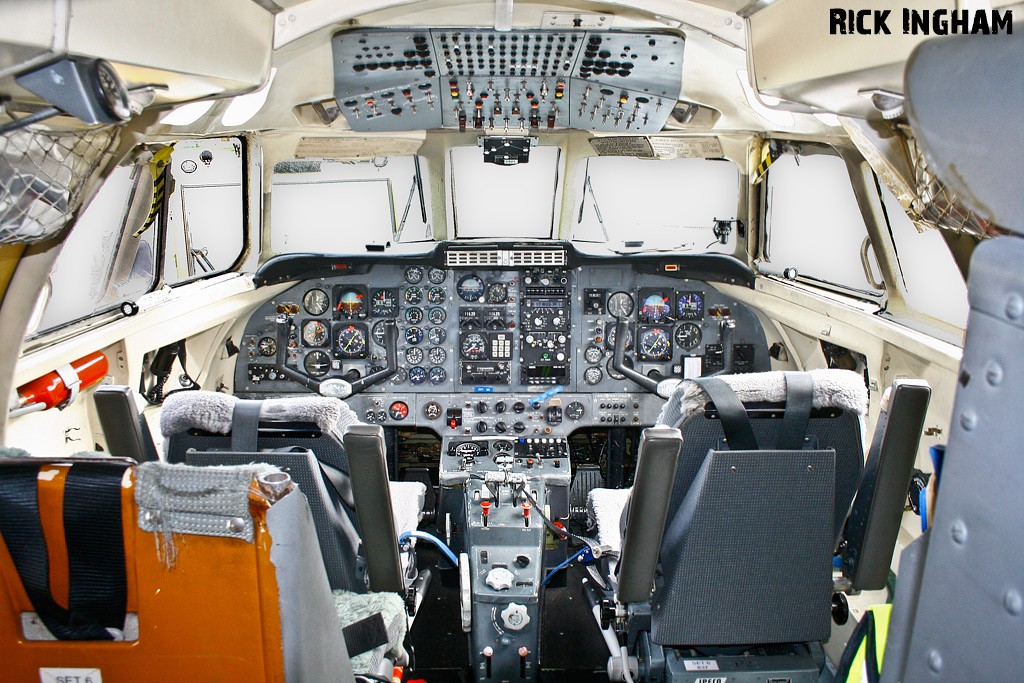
(417, 375)
(350, 302)
(474, 347)
(414, 315)
(414, 356)
(436, 295)
(593, 354)
(497, 293)
(437, 355)
(469, 449)
(378, 333)
(574, 410)
(401, 374)
(413, 335)
(413, 295)
(436, 315)
(655, 344)
(436, 276)
(691, 306)
(592, 375)
(620, 304)
(470, 288)
(609, 337)
(627, 361)
(414, 275)
(399, 410)
(383, 303)
(314, 333)
(688, 336)
(436, 335)
(316, 363)
(316, 302)
(113, 94)
(432, 410)
(437, 375)
(351, 341)
(655, 307)
(267, 346)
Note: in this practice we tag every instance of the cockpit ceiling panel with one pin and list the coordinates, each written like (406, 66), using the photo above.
(514, 81)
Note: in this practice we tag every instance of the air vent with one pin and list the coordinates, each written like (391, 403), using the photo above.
(538, 257)
(508, 258)
(472, 257)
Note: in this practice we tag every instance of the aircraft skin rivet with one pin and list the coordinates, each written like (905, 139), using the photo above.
(968, 420)
(1012, 602)
(959, 532)
(935, 661)
(1014, 307)
(994, 373)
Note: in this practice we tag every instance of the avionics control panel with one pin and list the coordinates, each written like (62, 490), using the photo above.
(508, 82)
(497, 350)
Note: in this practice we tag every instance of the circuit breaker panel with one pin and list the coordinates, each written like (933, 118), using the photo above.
(513, 81)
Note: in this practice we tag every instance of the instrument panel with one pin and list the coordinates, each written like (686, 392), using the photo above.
(524, 351)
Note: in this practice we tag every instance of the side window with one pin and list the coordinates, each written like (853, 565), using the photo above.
(102, 263)
(931, 282)
(205, 227)
(813, 222)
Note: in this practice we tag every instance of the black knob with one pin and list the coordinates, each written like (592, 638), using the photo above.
(481, 426)
(519, 428)
(500, 427)
(481, 407)
(522, 561)
(499, 407)
(518, 406)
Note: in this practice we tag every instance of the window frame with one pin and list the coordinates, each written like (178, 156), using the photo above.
(106, 314)
(763, 264)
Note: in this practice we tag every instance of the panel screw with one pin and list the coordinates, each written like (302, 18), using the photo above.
(968, 420)
(959, 532)
(1012, 602)
(1014, 307)
(935, 661)
(994, 373)
(236, 525)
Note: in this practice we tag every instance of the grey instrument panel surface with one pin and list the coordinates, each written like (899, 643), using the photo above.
(606, 402)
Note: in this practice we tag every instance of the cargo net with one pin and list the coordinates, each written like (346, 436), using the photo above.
(42, 176)
(936, 205)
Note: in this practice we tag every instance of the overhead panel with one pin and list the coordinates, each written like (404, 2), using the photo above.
(512, 81)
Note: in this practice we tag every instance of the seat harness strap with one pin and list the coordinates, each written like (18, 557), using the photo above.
(97, 593)
(799, 396)
(245, 426)
(735, 423)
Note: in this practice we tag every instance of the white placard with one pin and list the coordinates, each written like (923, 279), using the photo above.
(701, 665)
(61, 675)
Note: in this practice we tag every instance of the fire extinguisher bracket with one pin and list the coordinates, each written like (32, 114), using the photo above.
(73, 383)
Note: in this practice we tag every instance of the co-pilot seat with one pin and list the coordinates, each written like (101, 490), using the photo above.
(201, 428)
(737, 550)
(133, 572)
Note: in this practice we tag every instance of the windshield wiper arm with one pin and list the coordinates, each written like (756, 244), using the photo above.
(588, 187)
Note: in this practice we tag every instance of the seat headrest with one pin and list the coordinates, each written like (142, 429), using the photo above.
(212, 412)
(832, 389)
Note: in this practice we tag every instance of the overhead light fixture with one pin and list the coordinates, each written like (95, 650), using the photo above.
(757, 103)
(244, 107)
(189, 113)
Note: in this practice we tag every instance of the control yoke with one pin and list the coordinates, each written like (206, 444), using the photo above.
(664, 388)
(335, 388)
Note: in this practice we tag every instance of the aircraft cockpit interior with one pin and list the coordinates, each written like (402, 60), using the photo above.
(505, 341)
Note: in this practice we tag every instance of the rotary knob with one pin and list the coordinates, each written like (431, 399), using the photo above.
(500, 579)
(515, 617)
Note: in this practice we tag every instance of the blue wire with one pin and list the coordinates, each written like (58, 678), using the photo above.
(565, 564)
(433, 539)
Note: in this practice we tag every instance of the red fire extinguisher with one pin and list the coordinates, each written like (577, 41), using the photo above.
(60, 387)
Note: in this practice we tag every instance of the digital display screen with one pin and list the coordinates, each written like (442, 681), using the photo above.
(547, 371)
(546, 303)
